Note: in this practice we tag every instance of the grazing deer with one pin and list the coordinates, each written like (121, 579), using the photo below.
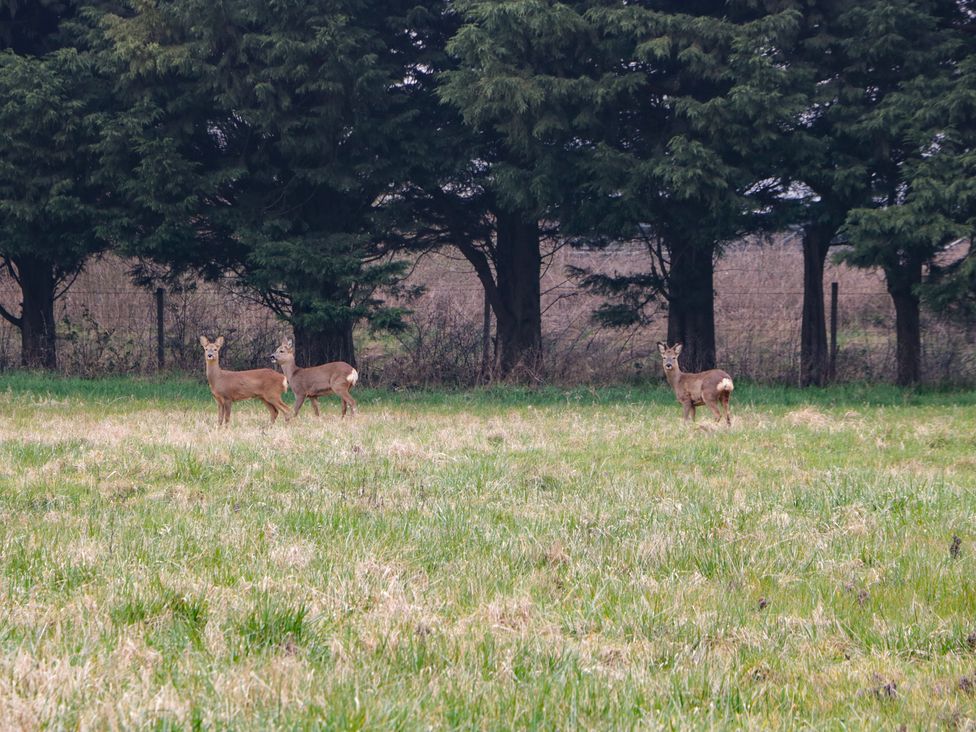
(336, 378)
(228, 387)
(711, 388)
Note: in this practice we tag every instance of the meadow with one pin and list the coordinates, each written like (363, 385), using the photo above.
(505, 558)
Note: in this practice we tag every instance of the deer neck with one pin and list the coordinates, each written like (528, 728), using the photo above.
(673, 376)
(213, 372)
(288, 368)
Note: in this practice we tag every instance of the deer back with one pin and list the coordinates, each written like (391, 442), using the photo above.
(318, 379)
(238, 385)
(700, 385)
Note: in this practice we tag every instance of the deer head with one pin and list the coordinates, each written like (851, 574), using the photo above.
(670, 355)
(285, 352)
(211, 349)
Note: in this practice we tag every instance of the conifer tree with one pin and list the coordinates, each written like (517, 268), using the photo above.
(511, 80)
(630, 121)
(824, 156)
(917, 54)
(690, 102)
(269, 139)
(943, 181)
(54, 106)
(851, 146)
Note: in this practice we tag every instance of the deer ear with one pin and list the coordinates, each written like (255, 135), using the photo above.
(661, 347)
(677, 349)
(289, 344)
(219, 342)
(204, 341)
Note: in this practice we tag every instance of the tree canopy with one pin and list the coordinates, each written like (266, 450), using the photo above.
(269, 138)
(53, 206)
(295, 148)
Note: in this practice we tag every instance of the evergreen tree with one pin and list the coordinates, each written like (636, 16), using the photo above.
(269, 139)
(848, 147)
(936, 204)
(824, 156)
(943, 182)
(512, 83)
(916, 54)
(625, 121)
(691, 100)
(54, 106)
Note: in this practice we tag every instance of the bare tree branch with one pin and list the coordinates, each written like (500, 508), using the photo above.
(8, 264)
(10, 317)
(58, 294)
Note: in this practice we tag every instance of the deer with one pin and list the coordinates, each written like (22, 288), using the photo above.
(228, 387)
(711, 388)
(336, 377)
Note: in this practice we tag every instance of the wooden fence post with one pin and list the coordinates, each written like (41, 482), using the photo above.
(832, 371)
(160, 350)
(485, 341)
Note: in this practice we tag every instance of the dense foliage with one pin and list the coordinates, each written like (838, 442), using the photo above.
(295, 147)
(53, 108)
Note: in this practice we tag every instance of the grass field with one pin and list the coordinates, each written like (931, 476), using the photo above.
(500, 559)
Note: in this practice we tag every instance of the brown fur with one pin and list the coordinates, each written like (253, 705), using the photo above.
(228, 387)
(336, 377)
(695, 389)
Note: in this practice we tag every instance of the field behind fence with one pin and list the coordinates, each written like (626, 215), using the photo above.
(107, 325)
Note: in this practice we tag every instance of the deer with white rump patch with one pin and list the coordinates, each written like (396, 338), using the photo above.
(711, 388)
(336, 377)
(228, 387)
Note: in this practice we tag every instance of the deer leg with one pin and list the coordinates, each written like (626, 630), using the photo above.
(278, 406)
(714, 407)
(728, 413)
(228, 403)
(347, 400)
(689, 410)
(315, 405)
(283, 408)
(341, 389)
(299, 401)
(271, 408)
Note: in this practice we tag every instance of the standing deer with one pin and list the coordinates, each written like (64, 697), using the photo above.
(336, 378)
(711, 388)
(228, 387)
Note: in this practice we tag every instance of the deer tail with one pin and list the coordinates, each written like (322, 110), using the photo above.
(725, 385)
(353, 377)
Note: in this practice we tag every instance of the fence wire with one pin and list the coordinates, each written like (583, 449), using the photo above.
(113, 330)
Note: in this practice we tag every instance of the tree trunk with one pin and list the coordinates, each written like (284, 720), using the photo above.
(908, 331)
(518, 312)
(691, 305)
(38, 332)
(814, 353)
(315, 346)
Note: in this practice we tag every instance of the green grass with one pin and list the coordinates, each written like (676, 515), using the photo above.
(491, 559)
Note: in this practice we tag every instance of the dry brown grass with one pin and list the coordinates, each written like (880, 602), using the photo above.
(110, 328)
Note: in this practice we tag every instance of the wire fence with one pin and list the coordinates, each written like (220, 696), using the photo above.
(118, 331)
(107, 326)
